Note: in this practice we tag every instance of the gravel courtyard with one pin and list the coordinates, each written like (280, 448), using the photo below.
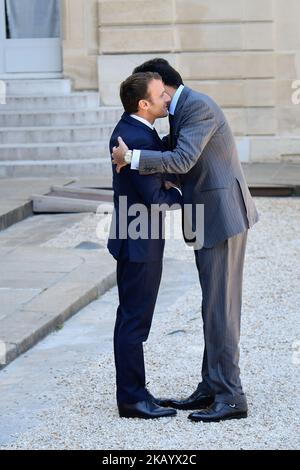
(61, 394)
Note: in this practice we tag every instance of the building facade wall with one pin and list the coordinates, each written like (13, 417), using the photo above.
(81, 43)
(245, 54)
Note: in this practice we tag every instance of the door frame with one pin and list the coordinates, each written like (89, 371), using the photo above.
(13, 45)
(2, 36)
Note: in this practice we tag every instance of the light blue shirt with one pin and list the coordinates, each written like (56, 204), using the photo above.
(175, 99)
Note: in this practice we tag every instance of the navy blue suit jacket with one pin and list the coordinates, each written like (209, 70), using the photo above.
(139, 189)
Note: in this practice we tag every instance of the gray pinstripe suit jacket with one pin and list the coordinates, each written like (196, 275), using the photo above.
(206, 158)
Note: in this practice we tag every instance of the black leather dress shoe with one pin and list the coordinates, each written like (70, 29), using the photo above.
(164, 402)
(219, 412)
(144, 409)
(196, 401)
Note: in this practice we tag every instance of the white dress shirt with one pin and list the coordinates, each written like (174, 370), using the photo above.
(144, 121)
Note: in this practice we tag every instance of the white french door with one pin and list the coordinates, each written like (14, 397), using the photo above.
(30, 37)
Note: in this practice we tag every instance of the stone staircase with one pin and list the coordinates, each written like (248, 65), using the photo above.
(48, 130)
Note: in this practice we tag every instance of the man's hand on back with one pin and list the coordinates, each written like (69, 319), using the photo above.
(169, 185)
(119, 154)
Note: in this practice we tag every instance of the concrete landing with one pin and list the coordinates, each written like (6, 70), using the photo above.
(15, 197)
(41, 286)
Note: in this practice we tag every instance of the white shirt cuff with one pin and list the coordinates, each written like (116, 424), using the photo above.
(179, 190)
(135, 160)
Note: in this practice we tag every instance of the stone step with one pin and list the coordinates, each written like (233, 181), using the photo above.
(67, 117)
(54, 151)
(26, 135)
(27, 87)
(87, 167)
(78, 100)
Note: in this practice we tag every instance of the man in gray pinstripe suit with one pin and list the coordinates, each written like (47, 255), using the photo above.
(204, 155)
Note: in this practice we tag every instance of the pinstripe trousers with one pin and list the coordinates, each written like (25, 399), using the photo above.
(221, 275)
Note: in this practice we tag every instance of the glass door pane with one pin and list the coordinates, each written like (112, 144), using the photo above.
(30, 37)
(30, 19)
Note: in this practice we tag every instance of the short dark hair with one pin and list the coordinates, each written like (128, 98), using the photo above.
(135, 88)
(169, 75)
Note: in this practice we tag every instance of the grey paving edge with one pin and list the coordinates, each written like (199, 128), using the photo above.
(13, 350)
(16, 215)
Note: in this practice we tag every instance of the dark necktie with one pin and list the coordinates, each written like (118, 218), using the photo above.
(155, 133)
(171, 122)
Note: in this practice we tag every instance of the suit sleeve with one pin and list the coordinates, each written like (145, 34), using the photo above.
(196, 128)
(151, 190)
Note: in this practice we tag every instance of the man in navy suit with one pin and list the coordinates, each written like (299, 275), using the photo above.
(139, 255)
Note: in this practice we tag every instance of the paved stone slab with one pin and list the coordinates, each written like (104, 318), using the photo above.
(15, 196)
(37, 229)
(11, 299)
(41, 287)
(272, 173)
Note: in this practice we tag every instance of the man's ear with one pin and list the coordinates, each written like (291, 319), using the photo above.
(143, 105)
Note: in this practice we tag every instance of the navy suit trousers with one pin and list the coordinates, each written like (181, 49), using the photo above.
(138, 285)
